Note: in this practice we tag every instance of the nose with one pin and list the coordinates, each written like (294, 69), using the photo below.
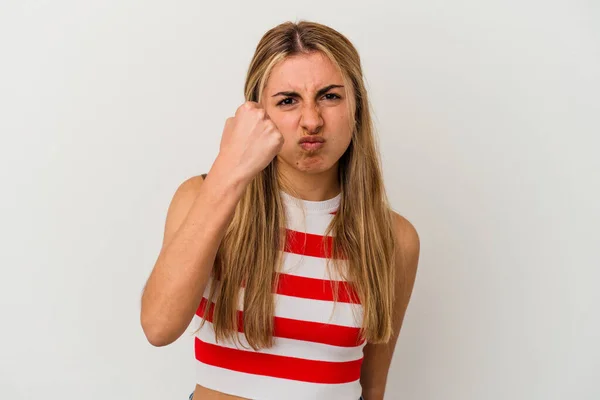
(311, 119)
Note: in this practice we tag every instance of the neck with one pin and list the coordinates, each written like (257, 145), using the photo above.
(309, 185)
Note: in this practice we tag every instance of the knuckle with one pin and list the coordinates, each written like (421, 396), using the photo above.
(244, 107)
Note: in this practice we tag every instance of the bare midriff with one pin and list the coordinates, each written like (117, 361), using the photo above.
(203, 393)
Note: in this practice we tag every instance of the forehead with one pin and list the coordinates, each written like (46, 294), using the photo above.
(303, 72)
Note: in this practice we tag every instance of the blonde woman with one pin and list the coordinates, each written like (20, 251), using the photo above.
(287, 252)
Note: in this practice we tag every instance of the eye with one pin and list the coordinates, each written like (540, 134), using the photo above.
(333, 96)
(286, 102)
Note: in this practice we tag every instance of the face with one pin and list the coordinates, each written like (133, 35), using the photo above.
(305, 98)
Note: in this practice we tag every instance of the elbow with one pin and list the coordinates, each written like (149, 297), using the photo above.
(376, 394)
(157, 339)
(156, 334)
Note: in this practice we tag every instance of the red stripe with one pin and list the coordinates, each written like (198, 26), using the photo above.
(297, 369)
(316, 332)
(307, 244)
(316, 289)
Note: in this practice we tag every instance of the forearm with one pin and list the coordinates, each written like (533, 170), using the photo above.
(175, 287)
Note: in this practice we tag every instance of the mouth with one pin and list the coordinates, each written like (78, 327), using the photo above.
(311, 146)
(312, 143)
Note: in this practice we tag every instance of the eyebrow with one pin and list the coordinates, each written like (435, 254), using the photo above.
(319, 93)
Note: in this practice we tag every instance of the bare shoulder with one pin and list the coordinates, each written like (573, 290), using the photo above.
(407, 236)
(186, 194)
(182, 201)
(190, 186)
(408, 257)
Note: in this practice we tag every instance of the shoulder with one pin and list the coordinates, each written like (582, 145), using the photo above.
(181, 202)
(190, 186)
(406, 235)
(409, 246)
(186, 193)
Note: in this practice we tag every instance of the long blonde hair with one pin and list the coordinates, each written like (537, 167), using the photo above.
(250, 252)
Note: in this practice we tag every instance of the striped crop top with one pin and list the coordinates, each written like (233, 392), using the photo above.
(317, 353)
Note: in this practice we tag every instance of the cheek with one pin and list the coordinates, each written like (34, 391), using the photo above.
(340, 142)
(289, 119)
(339, 122)
(343, 134)
(287, 123)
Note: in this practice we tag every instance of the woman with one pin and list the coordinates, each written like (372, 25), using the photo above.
(287, 252)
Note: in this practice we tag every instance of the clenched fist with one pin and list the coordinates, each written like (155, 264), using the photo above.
(250, 140)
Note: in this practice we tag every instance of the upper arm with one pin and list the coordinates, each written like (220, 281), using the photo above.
(182, 201)
(407, 260)
(378, 357)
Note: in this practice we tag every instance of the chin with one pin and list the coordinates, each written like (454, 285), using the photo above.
(309, 163)
(313, 166)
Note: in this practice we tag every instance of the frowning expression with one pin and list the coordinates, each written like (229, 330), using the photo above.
(306, 98)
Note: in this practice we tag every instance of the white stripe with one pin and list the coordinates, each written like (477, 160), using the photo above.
(326, 312)
(315, 225)
(310, 267)
(286, 347)
(268, 388)
(345, 314)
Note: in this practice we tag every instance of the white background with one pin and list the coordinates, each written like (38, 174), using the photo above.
(488, 117)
